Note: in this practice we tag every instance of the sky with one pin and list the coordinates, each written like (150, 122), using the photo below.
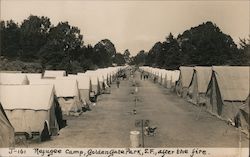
(134, 25)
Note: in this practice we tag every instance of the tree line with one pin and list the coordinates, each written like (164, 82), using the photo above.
(203, 45)
(37, 44)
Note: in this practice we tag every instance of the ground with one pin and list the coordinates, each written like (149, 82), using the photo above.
(177, 121)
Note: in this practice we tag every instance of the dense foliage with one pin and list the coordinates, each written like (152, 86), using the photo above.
(201, 45)
(37, 42)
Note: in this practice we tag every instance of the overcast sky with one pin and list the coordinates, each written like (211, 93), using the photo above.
(134, 25)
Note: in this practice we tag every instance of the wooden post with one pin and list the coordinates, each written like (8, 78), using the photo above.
(142, 133)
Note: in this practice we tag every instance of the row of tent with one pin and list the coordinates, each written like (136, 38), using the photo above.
(35, 103)
(223, 90)
(166, 78)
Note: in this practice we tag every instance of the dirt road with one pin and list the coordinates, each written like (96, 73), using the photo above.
(111, 120)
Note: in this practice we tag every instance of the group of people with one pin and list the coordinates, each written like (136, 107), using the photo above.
(144, 75)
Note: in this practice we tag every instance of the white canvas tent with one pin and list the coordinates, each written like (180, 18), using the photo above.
(168, 78)
(83, 86)
(94, 81)
(7, 138)
(67, 94)
(186, 74)
(175, 77)
(199, 84)
(13, 79)
(103, 79)
(161, 76)
(228, 90)
(31, 109)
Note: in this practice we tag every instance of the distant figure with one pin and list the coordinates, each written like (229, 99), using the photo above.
(154, 79)
(117, 83)
(142, 75)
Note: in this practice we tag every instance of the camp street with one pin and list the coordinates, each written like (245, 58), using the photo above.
(111, 119)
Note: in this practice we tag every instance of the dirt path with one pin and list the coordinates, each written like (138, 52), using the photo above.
(111, 120)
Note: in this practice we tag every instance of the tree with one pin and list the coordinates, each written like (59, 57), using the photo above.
(154, 54)
(119, 59)
(201, 45)
(244, 51)
(207, 45)
(33, 36)
(140, 58)
(104, 53)
(126, 55)
(64, 45)
(10, 36)
(172, 57)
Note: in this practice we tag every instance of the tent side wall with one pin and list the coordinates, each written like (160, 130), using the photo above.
(193, 94)
(84, 94)
(231, 109)
(244, 116)
(59, 115)
(184, 81)
(69, 105)
(23, 121)
(7, 138)
(214, 103)
(54, 125)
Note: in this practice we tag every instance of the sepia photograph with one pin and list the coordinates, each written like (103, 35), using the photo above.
(124, 78)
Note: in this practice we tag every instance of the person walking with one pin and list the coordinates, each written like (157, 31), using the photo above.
(155, 79)
(117, 82)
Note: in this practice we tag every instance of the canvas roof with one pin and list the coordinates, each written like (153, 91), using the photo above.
(90, 72)
(203, 77)
(34, 97)
(13, 79)
(63, 87)
(31, 76)
(66, 88)
(175, 75)
(54, 73)
(162, 73)
(233, 82)
(186, 74)
(83, 81)
(93, 77)
(42, 81)
(168, 75)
